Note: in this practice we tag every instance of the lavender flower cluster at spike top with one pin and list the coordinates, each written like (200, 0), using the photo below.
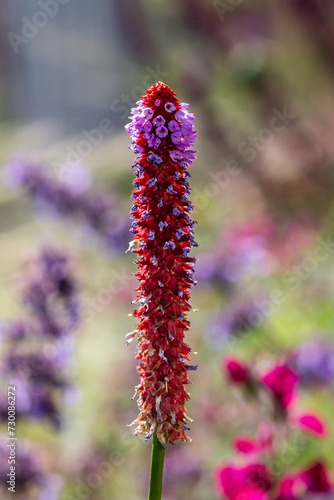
(181, 132)
(70, 199)
(38, 347)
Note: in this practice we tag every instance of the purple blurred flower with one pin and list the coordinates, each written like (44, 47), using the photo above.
(313, 361)
(50, 293)
(222, 269)
(104, 220)
(182, 473)
(51, 486)
(36, 400)
(179, 466)
(44, 405)
(36, 368)
(30, 478)
(38, 348)
(255, 246)
(15, 330)
(69, 199)
(23, 403)
(235, 320)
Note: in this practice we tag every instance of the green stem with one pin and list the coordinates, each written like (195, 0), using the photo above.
(157, 464)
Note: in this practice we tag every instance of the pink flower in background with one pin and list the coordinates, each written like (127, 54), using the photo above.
(236, 370)
(264, 439)
(251, 482)
(273, 439)
(265, 434)
(312, 480)
(309, 423)
(248, 243)
(265, 243)
(245, 444)
(316, 479)
(281, 381)
(250, 233)
(286, 488)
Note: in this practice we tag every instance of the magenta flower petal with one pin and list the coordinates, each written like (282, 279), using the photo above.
(236, 370)
(251, 482)
(310, 423)
(316, 479)
(281, 381)
(286, 488)
(245, 444)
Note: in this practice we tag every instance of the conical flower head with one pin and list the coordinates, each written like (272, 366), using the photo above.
(162, 134)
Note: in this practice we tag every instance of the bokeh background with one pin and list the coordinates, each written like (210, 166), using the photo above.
(259, 77)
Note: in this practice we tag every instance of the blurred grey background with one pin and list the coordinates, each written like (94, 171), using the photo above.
(63, 61)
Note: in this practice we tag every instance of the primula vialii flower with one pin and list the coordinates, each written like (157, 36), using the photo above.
(161, 134)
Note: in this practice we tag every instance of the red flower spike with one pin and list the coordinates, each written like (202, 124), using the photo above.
(161, 135)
